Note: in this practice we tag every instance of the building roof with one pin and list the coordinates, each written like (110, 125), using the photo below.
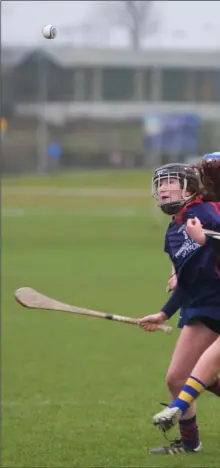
(68, 56)
(12, 56)
(113, 57)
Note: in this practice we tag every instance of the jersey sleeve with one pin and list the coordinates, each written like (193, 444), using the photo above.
(214, 213)
(177, 300)
(207, 213)
(202, 258)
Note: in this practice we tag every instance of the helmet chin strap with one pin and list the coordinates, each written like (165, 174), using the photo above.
(190, 197)
(173, 208)
(184, 200)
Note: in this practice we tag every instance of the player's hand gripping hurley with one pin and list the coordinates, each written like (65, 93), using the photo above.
(32, 299)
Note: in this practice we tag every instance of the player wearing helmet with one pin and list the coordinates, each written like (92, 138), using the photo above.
(184, 195)
(205, 370)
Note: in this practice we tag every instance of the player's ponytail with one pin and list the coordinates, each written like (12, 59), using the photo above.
(209, 174)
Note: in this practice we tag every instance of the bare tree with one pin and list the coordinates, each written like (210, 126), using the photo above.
(137, 18)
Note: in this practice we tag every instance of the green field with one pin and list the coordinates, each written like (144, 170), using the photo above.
(77, 391)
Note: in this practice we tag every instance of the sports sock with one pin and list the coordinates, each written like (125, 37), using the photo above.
(189, 433)
(190, 391)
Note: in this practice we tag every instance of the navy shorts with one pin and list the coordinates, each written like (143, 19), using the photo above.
(209, 322)
(182, 319)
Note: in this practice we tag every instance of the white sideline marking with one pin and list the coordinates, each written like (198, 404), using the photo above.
(25, 212)
(71, 192)
(102, 213)
(13, 212)
(37, 404)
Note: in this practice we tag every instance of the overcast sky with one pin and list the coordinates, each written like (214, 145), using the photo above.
(183, 24)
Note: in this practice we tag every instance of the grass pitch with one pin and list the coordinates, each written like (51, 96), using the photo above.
(78, 391)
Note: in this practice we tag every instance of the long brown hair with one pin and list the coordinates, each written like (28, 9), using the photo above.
(209, 175)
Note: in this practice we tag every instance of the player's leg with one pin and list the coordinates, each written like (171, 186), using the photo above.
(193, 341)
(214, 386)
(207, 367)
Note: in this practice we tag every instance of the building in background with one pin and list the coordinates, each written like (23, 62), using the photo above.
(95, 101)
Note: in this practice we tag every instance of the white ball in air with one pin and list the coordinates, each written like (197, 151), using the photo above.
(49, 31)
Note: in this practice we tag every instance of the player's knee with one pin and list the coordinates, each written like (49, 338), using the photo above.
(174, 381)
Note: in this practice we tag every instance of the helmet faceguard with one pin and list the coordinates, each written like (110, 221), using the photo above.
(188, 182)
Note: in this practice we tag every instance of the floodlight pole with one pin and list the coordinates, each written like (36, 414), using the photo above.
(42, 130)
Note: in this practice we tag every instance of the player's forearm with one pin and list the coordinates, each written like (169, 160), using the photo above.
(172, 281)
(174, 302)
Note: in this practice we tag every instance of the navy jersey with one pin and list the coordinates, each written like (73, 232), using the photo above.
(197, 267)
(180, 247)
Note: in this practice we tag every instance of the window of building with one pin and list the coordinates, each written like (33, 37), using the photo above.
(88, 83)
(118, 84)
(60, 83)
(207, 85)
(147, 89)
(174, 84)
(216, 86)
